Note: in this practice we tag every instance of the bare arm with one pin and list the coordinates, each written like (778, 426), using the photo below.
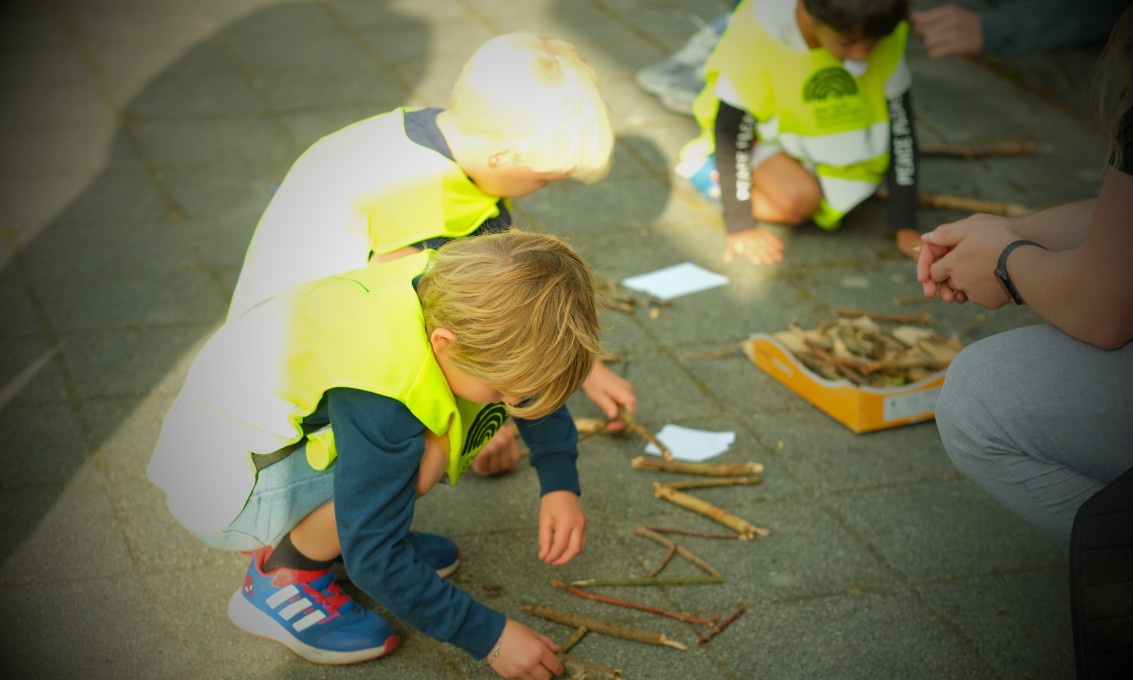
(1087, 291)
(1058, 228)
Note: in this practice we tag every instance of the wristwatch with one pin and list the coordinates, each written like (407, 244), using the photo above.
(1001, 269)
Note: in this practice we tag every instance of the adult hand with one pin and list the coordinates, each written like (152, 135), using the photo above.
(500, 455)
(611, 393)
(949, 30)
(562, 528)
(525, 654)
(971, 253)
(759, 246)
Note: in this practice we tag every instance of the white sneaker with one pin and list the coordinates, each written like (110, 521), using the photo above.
(684, 69)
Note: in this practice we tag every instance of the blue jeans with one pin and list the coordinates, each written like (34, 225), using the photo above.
(284, 494)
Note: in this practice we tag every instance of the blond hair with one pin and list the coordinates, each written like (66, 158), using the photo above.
(522, 308)
(538, 97)
(1114, 86)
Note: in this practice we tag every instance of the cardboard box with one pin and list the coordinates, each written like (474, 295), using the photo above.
(862, 409)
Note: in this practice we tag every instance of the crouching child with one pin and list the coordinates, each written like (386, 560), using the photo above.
(308, 426)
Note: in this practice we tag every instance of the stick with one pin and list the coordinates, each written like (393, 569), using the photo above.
(635, 427)
(596, 597)
(617, 630)
(722, 481)
(706, 469)
(655, 581)
(744, 528)
(977, 150)
(691, 532)
(717, 354)
(668, 557)
(577, 669)
(723, 624)
(901, 300)
(617, 304)
(972, 325)
(974, 205)
(574, 639)
(680, 550)
(923, 319)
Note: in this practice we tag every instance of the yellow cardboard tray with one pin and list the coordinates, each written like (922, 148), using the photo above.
(862, 409)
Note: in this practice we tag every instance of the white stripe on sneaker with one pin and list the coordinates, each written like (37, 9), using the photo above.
(282, 596)
(294, 608)
(308, 621)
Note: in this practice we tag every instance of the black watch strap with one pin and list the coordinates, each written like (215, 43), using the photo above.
(1001, 269)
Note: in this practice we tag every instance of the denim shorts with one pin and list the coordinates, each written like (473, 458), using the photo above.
(285, 493)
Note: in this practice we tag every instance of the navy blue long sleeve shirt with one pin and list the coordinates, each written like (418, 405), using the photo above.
(380, 444)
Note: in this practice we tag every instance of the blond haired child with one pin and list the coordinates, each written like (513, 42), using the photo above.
(525, 111)
(312, 423)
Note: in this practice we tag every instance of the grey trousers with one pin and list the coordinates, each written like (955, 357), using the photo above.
(1039, 420)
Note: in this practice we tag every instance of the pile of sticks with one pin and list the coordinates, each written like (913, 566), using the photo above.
(860, 351)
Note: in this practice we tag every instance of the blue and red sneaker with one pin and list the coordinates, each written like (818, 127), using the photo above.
(307, 612)
(700, 171)
(435, 550)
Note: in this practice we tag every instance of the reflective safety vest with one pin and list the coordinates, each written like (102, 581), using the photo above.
(262, 373)
(366, 187)
(833, 122)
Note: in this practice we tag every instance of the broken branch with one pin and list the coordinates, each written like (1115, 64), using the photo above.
(610, 628)
(962, 203)
(706, 469)
(665, 560)
(596, 597)
(744, 528)
(976, 150)
(923, 319)
(692, 532)
(722, 481)
(655, 581)
(723, 624)
(574, 639)
(684, 552)
(637, 428)
(577, 669)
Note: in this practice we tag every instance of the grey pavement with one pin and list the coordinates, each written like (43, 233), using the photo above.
(142, 138)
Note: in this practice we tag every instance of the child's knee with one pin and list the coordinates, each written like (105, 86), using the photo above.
(792, 204)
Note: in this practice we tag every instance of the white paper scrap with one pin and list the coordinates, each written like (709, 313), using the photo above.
(680, 279)
(693, 445)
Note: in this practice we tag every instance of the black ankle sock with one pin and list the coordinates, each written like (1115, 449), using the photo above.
(287, 555)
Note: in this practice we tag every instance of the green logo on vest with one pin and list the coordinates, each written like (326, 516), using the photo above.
(487, 422)
(829, 82)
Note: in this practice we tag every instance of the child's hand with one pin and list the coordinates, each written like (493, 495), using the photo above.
(908, 242)
(611, 393)
(562, 528)
(757, 245)
(525, 654)
(498, 456)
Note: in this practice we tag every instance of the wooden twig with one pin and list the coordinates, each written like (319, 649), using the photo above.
(665, 560)
(705, 469)
(655, 581)
(723, 624)
(617, 304)
(637, 428)
(575, 637)
(962, 203)
(1019, 148)
(923, 319)
(692, 532)
(610, 628)
(597, 597)
(720, 481)
(902, 300)
(684, 552)
(972, 325)
(716, 354)
(591, 425)
(577, 669)
(744, 528)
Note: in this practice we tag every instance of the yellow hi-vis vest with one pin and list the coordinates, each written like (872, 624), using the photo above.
(262, 373)
(805, 101)
(366, 187)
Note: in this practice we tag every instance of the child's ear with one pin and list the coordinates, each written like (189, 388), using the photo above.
(440, 339)
(501, 158)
